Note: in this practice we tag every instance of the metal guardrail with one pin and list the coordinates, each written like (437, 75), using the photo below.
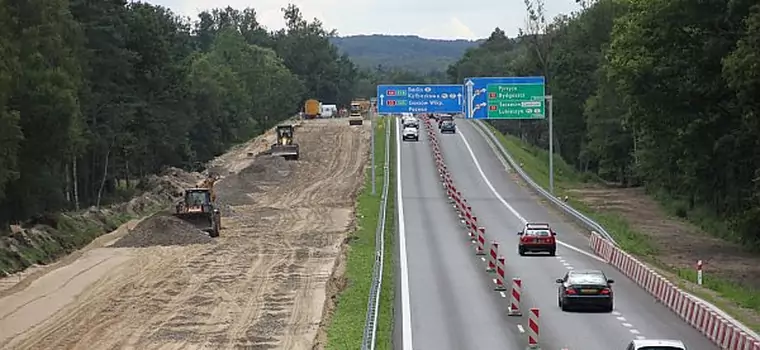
(369, 338)
(560, 204)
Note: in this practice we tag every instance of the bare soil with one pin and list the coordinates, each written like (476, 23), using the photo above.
(263, 284)
(679, 244)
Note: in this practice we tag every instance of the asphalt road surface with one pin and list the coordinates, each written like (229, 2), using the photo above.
(446, 298)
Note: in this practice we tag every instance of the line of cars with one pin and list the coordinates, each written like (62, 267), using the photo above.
(411, 125)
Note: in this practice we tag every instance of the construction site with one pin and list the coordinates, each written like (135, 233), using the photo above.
(248, 257)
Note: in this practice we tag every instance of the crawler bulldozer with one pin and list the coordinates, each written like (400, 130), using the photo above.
(285, 146)
(197, 208)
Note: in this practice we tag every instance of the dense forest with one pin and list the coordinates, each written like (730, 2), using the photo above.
(659, 93)
(97, 94)
(407, 52)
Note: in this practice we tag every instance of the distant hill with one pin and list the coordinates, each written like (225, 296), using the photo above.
(407, 51)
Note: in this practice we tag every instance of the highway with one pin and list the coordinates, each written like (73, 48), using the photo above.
(446, 299)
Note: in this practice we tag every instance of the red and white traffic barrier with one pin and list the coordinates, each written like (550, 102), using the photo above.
(514, 298)
(500, 274)
(480, 249)
(727, 334)
(473, 229)
(493, 253)
(533, 328)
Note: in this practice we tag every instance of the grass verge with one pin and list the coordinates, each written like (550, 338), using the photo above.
(347, 325)
(534, 162)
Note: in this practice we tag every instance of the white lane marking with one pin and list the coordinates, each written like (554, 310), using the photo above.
(508, 206)
(503, 295)
(640, 337)
(521, 218)
(482, 258)
(406, 316)
(722, 313)
(621, 319)
(520, 328)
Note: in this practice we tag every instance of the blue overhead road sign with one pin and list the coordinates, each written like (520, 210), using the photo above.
(476, 105)
(420, 99)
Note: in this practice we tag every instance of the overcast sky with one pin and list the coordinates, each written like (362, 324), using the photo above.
(439, 19)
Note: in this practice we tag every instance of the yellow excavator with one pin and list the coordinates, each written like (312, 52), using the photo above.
(199, 209)
(285, 146)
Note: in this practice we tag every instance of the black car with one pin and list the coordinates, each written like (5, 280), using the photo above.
(585, 289)
(448, 126)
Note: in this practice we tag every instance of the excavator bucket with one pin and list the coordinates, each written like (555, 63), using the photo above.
(202, 221)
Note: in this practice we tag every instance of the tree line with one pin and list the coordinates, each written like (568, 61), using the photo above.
(97, 94)
(660, 93)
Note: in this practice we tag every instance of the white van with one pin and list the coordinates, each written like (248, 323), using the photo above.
(329, 111)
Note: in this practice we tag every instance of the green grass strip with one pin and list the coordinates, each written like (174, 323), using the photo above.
(346, 329)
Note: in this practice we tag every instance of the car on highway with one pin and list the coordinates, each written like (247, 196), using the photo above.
(448, 126)
(410, 122)
(656, 344)
(411, 133)
(537, 237)
(585, 289)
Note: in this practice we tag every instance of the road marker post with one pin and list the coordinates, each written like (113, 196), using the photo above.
(533, 328)
(501, 285)
(473, 229)
(514, 299)
(699, 272)
(492, 255)
(481, 247)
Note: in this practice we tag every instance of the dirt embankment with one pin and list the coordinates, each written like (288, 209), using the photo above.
(261, 285)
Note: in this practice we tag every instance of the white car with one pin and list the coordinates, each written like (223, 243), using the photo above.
(656, 344)
(410, 122)
(411, 133)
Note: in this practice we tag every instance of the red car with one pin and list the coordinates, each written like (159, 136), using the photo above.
(537, 237)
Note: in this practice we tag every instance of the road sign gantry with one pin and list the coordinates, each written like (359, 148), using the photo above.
(435, 98)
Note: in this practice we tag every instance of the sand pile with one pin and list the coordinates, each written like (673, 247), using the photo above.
(163, 230)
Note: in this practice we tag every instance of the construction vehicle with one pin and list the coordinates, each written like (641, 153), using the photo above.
(312, 109)
(355, 117)
(198, 208)
(364, 104)
(285, 147)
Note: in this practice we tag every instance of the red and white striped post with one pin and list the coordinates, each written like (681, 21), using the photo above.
(699, 272)
(533, 328)
(473, 229)
(514, 299)
(480, 249)
(492, 255)
(501, 284)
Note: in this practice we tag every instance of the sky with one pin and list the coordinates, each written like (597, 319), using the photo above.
(435, 19)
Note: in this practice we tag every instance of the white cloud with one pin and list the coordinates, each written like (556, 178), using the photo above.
(454, 29)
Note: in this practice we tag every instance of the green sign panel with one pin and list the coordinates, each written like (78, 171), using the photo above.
(516, 101)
